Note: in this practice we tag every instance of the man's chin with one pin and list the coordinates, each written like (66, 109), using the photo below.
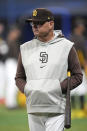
(36, 34)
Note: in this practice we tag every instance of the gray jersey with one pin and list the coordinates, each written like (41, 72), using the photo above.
(45, 66)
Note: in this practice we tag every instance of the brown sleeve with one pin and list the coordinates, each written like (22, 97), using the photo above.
(75, 69)
(20, 75)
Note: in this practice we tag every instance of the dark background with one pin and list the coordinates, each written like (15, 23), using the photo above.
(65, 12)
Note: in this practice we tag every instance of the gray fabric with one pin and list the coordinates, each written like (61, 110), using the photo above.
(43, 90)
(46, 122)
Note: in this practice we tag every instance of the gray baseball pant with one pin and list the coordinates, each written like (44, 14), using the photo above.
(46, 122)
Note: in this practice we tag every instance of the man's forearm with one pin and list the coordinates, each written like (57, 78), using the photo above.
(20, 84)
(75, 69)
(20, 75)
(75, 80)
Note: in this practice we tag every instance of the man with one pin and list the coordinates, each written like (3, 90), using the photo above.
(42, 73)
(78, 38)
(3, 54)
(13, 39)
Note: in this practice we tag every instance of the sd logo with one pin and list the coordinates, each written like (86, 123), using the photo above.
(43, 57)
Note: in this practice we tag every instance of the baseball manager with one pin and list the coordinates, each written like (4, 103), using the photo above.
(42, 73)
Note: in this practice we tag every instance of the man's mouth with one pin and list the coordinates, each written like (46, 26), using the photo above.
(36, 31)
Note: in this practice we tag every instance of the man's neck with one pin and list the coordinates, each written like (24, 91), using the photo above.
(46, 38)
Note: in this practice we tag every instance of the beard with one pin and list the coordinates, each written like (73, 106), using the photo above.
(44, 33)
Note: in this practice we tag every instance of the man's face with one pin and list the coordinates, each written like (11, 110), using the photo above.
(42, 29)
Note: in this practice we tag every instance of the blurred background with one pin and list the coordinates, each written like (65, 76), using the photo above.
(71, 18)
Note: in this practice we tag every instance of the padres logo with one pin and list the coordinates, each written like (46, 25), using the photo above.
(48, 18)
(34, 13)
(43, 57)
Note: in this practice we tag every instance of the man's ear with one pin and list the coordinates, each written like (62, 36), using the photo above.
(51, 22)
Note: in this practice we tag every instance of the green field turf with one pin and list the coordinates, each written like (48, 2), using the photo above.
(16, 120)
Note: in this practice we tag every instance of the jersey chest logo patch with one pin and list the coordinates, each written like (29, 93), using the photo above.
(43, 57)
